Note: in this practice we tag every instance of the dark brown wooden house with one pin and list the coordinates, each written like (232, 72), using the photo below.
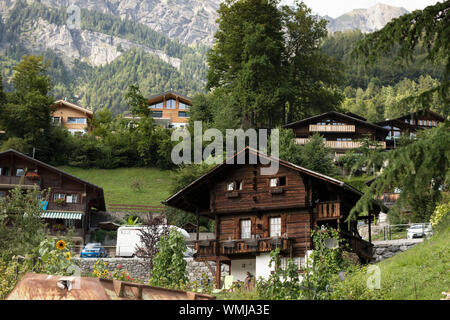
(70, 201)
(409, 124)
(256, 213)
(340, 131)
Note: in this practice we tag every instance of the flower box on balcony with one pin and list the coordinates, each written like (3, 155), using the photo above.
(251, 242)
(276, 242)
(32, 176)
(229, 244)
(205, 243)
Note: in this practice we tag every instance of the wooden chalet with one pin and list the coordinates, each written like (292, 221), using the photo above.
(74, 118)
(409, 124)
(256, 213)
(70, 201)
(340, 131)
(170, 109)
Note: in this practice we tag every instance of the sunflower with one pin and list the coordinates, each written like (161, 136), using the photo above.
(68, 255)
(61, 245)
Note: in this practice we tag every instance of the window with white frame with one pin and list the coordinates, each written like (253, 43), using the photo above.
(275, 227)
(20, 172)
(72, 198)
(57, 196)
(77, 120)
(171, 104)
(246, 230)
(277, 182)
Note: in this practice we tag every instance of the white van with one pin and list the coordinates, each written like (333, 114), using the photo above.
(128, 239)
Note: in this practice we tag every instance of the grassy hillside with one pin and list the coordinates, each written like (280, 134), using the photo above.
(117, 184)
(422, 272)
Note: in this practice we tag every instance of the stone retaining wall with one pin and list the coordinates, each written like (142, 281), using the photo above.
(137, 269)
(386, 249)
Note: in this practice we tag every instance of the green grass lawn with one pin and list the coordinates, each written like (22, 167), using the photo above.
(422, 272)
(116, 183)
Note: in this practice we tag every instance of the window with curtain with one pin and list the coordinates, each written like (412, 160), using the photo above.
(275, 227)
(246, 230)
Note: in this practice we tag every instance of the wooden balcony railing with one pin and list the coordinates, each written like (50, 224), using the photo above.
(328, 210)
(362, 248)
(207, 248)
(13, 180)
(331, 128)
(66, 207)
(340, 144)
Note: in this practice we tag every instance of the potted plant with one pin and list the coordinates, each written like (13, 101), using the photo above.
(59, 202)
(31, 175)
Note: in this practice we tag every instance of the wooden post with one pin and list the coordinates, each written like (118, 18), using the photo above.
(218, 273)
(370, 228)
(198, 223)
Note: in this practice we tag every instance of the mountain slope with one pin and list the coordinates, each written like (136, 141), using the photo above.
(366, 20)
(189, 21)
(79, 57)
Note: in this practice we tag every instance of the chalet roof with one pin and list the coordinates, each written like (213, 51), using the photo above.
(335, 114)
(169, 93)
(73, 106)
(51, 168)
(179, 195)
(412, 115)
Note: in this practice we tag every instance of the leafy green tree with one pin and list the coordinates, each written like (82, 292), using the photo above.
(317, 157)
(137, 102)
(27, 111)
(169, 267)
(21, 226)
(312, 75)
(246, 59)
(324, 264)
(419, 169)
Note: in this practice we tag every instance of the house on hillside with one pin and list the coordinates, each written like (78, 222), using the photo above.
(72, 117)
(256, 213)
(71, 200)
(170, 109)
(409, 124)
(340, 131)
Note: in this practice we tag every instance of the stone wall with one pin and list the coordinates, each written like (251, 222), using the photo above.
(137, 269)
(389, 248)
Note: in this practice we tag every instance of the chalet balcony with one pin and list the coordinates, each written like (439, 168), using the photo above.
(207, 248)
(331, 128)
(13, 180)
(340, 144)
(328, 210)
(66, 207)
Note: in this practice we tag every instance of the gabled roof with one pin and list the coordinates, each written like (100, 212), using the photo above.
(168, 93)
(224, 164)
(334, 114)
(73, 106)
(49, 167)
(414, 114)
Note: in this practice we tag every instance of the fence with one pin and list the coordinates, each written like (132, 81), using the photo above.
(399, 231)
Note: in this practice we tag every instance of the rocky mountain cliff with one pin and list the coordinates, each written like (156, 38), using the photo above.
(189, 21)
(366, 20)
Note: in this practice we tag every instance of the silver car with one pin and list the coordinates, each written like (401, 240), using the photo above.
(419, 231)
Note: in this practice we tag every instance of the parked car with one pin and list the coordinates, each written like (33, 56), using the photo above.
(419, 231)
(93, 250)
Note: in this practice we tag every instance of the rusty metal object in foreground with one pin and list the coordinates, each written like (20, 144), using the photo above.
(35, 286)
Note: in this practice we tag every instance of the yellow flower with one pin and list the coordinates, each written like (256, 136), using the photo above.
(68, 255)
(61, 245)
